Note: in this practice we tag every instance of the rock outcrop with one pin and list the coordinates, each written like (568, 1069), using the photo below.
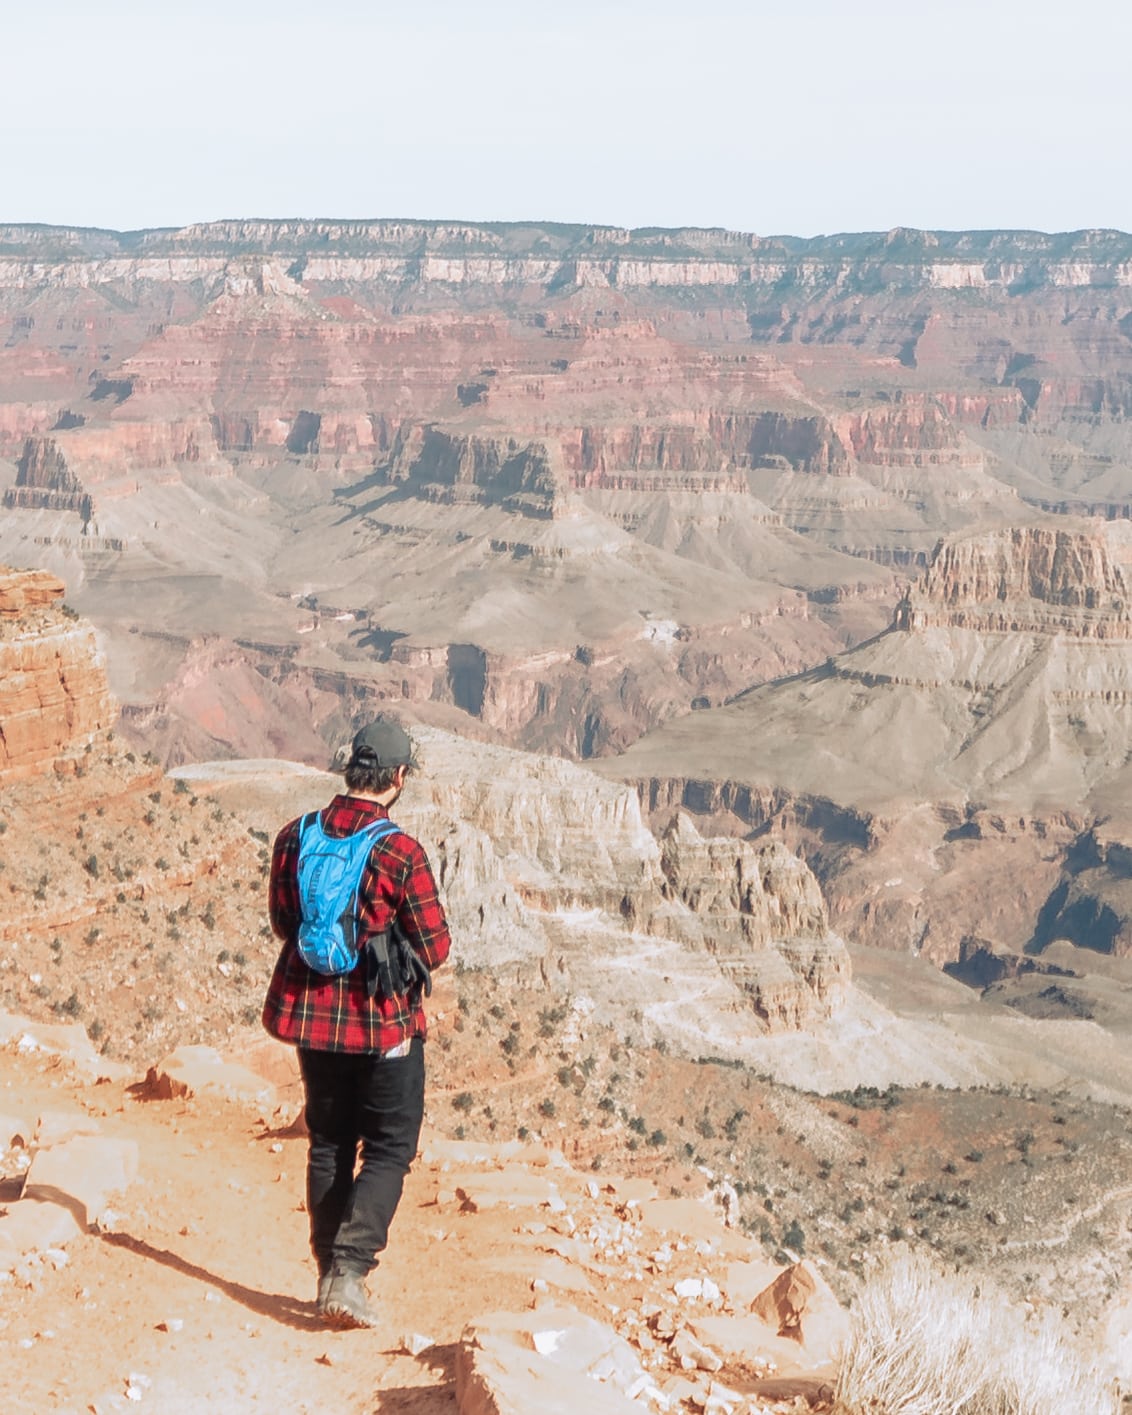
(55, 694)
(753, 902)
(552, 879)
(730, 924)
(43, 480)
(1033, 579)
(968, 745)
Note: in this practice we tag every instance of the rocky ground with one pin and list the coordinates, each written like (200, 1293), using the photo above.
(958, 1128)
(511, 1275)
(153, 1241)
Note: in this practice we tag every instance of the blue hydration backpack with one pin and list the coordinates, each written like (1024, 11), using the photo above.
(330, 874)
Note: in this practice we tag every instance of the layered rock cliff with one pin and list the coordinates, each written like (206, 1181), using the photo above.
(502, 254)
(1033, 579)
(939, 777)
(55, 695)
(554, 874)
(752, 903)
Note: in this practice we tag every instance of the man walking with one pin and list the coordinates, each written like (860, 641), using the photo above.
(360, 1041)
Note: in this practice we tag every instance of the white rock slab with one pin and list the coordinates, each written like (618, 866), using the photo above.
(31, 1226)
(196, 1070)
(67, 1040)
(81, 1174)
(555, 1360)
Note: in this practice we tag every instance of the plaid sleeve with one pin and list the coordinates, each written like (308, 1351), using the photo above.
(420, 912)
(284, 908)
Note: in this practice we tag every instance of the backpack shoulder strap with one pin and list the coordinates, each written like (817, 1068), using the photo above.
(376, 832)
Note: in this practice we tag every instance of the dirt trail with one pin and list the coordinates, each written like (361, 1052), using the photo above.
(1120, 1194)
(201, 1295)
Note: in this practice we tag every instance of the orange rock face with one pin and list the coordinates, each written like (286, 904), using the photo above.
(55, 690)
(27, 590)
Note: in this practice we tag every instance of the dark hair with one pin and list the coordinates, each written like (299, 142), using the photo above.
(364, 774)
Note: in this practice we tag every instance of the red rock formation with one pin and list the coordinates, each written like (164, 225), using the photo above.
(449, 467)
(55, 690)
(44, 480)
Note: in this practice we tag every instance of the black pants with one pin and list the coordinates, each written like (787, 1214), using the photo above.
(357, 1099)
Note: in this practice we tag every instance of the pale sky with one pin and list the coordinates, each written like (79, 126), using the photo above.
(806, 117)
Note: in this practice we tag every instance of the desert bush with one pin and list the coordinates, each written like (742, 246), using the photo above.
(925, 1342)
(868, 1098)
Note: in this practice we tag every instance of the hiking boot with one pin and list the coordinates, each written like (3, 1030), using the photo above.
(324, 1282)
(347, 1304)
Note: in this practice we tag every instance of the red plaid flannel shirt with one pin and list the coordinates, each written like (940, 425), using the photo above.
(334, 1014)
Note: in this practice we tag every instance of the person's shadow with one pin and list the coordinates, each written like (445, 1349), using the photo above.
(286, 1310)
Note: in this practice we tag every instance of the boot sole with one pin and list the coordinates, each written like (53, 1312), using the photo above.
(343, 1319)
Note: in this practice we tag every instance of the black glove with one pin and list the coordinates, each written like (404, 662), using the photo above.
(393, 966)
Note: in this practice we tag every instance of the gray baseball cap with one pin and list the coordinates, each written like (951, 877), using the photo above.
(386, 741)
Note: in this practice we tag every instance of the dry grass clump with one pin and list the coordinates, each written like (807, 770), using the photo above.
(925, 1342)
